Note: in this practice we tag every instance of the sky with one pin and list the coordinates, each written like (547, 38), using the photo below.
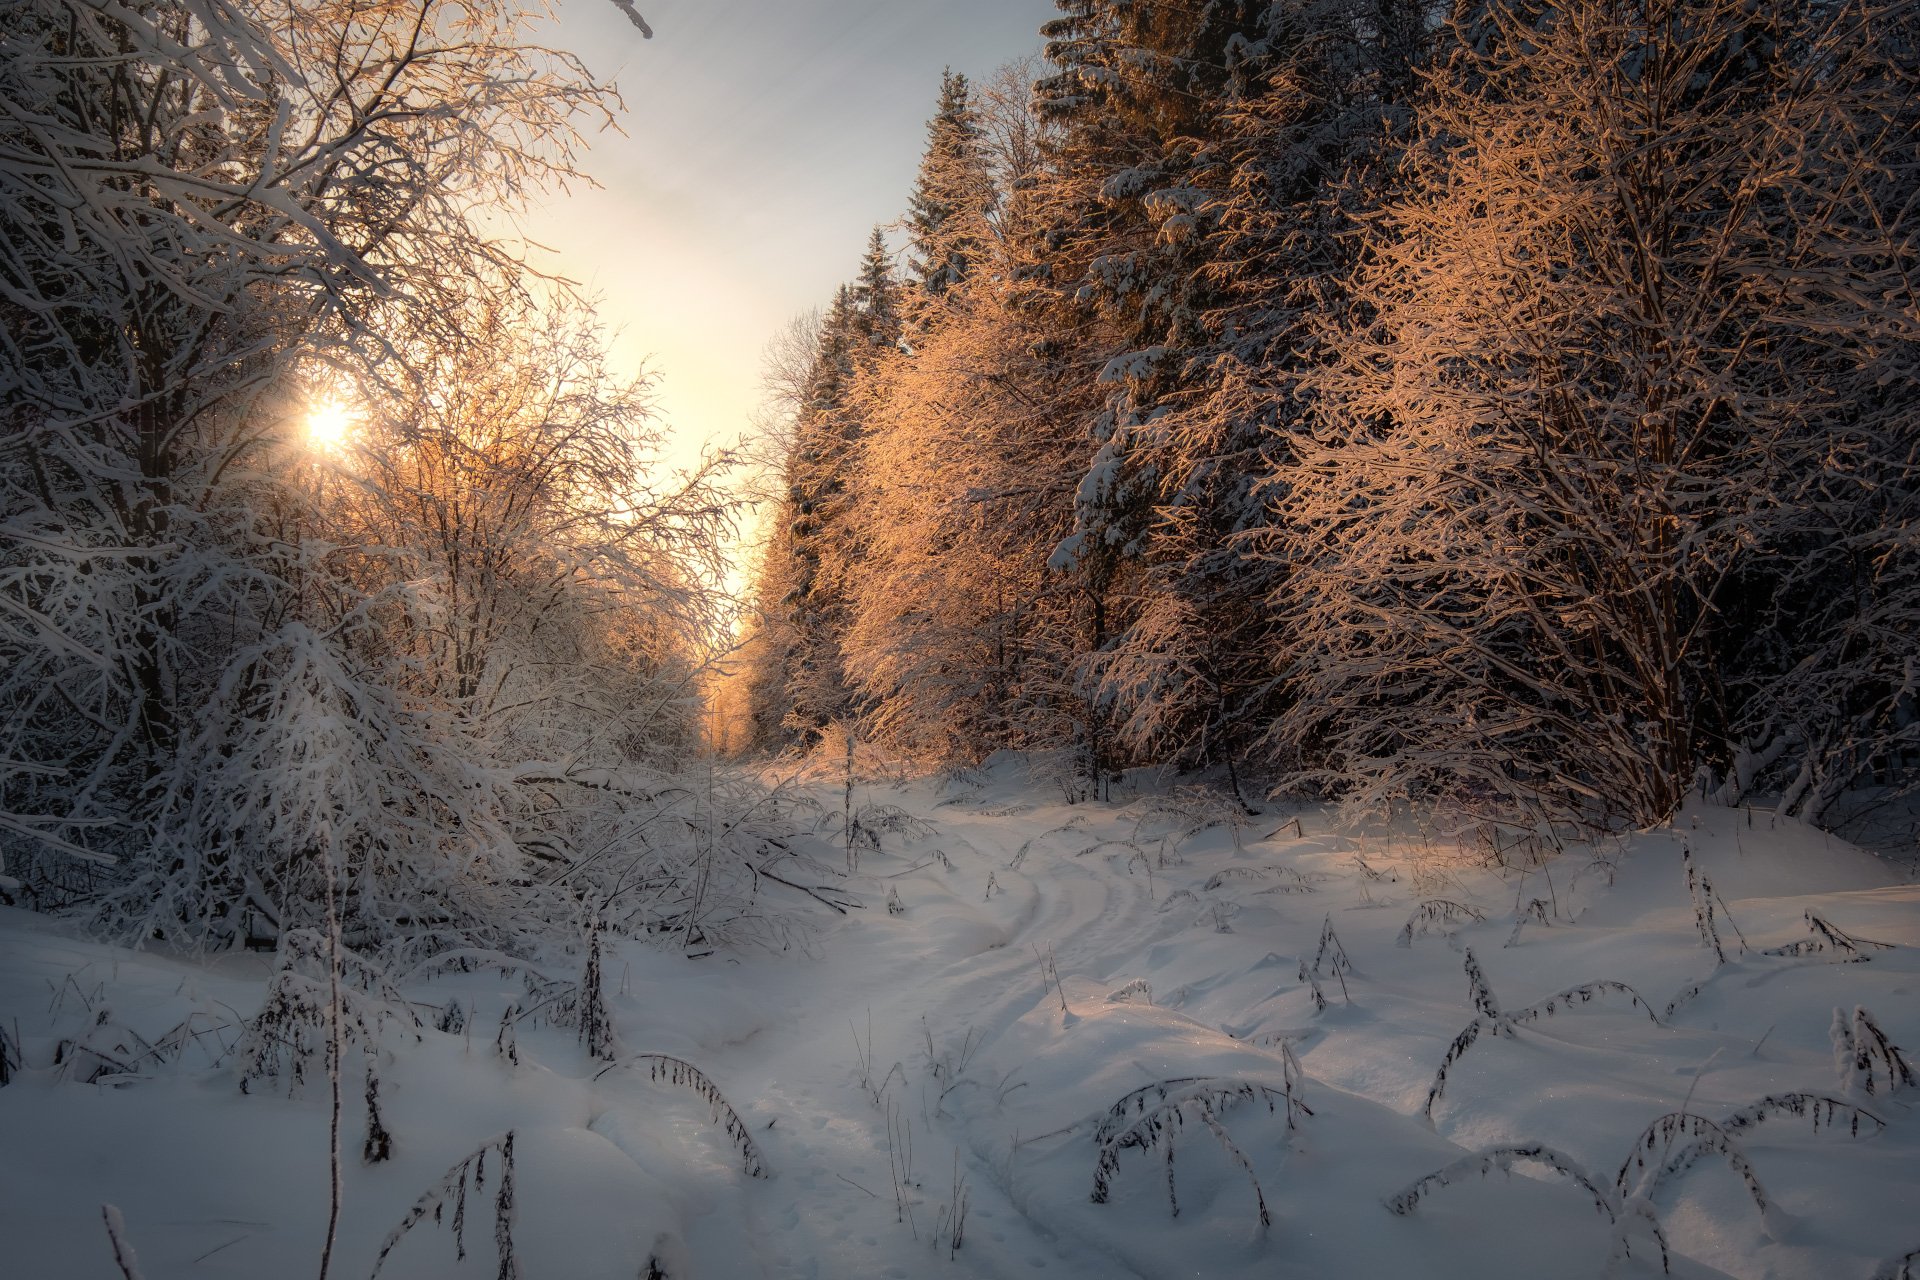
(763, 139)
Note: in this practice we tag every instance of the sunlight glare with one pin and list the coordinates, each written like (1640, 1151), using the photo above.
(329, 425)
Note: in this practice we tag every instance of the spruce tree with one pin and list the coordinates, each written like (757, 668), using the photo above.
(860, 331)
(1195, 673)
(875, 296)
(1137, 111)
(953, 194)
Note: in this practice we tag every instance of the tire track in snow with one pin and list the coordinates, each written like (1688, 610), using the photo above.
(833, 1154)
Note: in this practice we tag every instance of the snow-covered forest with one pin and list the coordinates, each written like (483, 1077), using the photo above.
(1504, 407)
(1338, 596)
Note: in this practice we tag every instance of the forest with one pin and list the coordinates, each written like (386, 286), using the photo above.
(1290, 463)
(1503, 407)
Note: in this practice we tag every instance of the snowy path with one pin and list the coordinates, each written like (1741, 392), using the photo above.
(964, 973)
(1182, 966)
(964, 977)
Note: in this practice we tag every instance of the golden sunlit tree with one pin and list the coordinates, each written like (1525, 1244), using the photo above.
(1615, 455)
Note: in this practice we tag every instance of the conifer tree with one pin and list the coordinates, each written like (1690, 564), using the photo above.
(953, 195)
(858, 334)
(1195, 674)
(1138, 108)
(815, 502)
(876, 295)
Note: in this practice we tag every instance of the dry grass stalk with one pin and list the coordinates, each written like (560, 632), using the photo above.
(1436, 914)
(678, 1071)
(451, 1192)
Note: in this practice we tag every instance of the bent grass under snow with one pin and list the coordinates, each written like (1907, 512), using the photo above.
(965, 1129)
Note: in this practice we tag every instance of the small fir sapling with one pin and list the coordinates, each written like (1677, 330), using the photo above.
(1436, 914)
(895, 907)
(676, 1071)
(1867, 1061)
(451, 1191)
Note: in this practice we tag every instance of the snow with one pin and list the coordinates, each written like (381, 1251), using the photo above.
(1175, 959)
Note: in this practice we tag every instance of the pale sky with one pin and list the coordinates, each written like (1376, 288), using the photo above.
(764, 139)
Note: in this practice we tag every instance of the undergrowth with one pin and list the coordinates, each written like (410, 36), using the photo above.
(1493, 1020)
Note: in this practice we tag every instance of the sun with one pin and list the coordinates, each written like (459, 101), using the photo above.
(330, 425)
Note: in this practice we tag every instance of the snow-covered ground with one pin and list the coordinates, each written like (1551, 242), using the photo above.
(906, 1066)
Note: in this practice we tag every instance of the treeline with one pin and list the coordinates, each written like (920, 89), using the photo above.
(431, 671)
(1510, 406)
